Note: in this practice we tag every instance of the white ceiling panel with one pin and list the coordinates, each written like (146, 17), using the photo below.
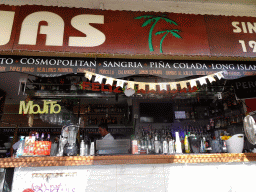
(215, 7)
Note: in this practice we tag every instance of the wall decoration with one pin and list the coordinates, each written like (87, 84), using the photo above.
(163, 85)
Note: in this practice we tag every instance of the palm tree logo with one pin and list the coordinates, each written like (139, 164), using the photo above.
(173, 32)
(155, 19)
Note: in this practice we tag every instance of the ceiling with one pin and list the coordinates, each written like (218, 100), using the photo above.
(215, 7)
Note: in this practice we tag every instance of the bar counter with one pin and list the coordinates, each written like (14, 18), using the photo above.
(126, 159)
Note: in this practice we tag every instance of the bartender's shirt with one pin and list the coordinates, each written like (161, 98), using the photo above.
(108, 137)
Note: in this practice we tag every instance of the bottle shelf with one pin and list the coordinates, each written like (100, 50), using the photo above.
(110, 126)
(99, 114)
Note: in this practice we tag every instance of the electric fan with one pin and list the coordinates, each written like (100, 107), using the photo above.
(250, 129)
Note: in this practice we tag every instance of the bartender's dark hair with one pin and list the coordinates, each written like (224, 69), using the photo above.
(103, 126)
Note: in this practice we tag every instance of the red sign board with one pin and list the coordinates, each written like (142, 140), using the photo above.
(39, 28)
(231, 36)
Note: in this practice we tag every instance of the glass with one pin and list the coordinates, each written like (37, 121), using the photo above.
(194, 143)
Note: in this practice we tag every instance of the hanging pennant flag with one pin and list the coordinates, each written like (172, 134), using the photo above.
(163, 86)
(88, 75)
(120, 83)
(130, 84)
(99, 78)
(202, 80)
(152, 86)
(173, 86)
(142, 86)
(109, 80)
(183, 84)
(193, 83)
(220, 75)
(211, 78)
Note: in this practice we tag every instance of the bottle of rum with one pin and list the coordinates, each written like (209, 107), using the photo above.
(186, 143)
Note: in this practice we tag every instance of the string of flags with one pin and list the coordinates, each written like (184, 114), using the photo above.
(152, 86)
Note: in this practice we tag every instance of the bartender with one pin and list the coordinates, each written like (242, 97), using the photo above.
(103, 130)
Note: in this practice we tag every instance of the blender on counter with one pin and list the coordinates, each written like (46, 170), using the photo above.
(67, 143)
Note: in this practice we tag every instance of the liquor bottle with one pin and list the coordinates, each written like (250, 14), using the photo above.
(217, 108)
(169, 136)
(217, 124)
(48, 137)
(121, 121)
(102, 120)
(135, 149)
(37, 137)
(152, 141)
(186, 143)
(206, 113)
(157, 143)
(115, 120)
(187, 115)
(202, 146)
(108, 119)
(102, 108)
(112, 109)
(171, 147)
(178, 143)
(89, 109)
(142, 141)
(192, 114)
(148, 143)
(90, 121)
(42, 137)
(196, 116)
(212, 111)
(48, 145)
(82, 148)
(92, 149)
(165, 144)
(212, 124)
(191, 131)
(95, 121)
(20, 149)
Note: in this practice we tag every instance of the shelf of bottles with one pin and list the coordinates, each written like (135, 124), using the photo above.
(62, 84)
(150, 140)
(95, 114)
(199, 131)
(219, 113)
(113, 131)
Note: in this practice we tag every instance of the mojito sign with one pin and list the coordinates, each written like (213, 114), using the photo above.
(49, 107)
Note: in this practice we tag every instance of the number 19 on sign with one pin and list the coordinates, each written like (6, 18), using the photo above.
(252, 45)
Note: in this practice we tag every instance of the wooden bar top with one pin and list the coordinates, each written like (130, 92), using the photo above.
(126, 159)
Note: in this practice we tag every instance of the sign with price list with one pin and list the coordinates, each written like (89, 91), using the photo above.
(47, 179)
